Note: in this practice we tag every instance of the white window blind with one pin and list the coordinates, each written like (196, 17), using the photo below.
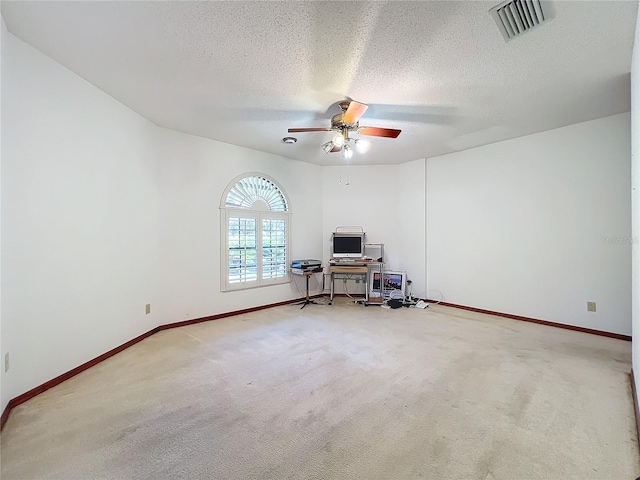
(243, 251)
(274, 248)
(256, 234)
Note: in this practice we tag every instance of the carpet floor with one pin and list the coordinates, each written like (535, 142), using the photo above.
(339, 392)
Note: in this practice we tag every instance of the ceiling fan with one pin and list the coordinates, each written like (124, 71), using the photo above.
(346, 122)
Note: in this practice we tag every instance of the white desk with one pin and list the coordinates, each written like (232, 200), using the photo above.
(359, 269)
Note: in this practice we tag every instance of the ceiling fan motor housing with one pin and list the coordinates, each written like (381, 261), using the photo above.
(337, 123)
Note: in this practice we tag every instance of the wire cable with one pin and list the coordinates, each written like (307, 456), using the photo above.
(435, 302)
(396, 294)
(296, 284)
(344, 285)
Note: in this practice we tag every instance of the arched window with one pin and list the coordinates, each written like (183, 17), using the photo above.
(255, 219)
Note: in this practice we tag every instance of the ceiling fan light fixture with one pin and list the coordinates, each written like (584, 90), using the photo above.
(338, 140)
(347, 152)
(362, 145)
(327, 147)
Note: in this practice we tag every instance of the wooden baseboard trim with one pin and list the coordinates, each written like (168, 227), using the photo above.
(538, 321)
(636, 407)
(229, 314)
(14, 402)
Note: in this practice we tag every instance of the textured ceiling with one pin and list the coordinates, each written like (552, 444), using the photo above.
(244, 72)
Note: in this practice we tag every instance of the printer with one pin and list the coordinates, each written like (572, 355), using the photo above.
(306, 265)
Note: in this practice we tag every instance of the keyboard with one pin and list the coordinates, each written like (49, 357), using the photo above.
(347, 262)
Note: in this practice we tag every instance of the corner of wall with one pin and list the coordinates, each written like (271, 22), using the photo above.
(3, 401)
(635, 200)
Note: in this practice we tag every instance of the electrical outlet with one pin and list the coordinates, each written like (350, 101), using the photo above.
(591, 306)
(6, 362)
(147, 309)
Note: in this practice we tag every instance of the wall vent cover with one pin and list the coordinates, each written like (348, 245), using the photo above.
(515, 17)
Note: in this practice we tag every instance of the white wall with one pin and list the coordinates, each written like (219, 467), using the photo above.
(387, 201)
(194, 174)
(536, 226)
(80, 205)
(411, 228)
(635, 198)
(104, 212)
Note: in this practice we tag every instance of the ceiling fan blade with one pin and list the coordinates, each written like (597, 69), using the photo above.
(379, 132)
(300, 130)
(354, 112)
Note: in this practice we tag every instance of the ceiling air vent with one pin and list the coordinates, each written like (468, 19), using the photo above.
(515, 17)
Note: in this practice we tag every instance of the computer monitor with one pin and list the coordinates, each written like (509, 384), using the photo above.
(348, 245)
(392, 281)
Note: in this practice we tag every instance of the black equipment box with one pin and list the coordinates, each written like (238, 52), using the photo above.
(306, 265)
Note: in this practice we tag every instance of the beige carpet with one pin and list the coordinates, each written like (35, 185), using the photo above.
(339, 392)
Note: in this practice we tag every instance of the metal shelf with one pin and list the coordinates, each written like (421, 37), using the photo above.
(377, 266)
